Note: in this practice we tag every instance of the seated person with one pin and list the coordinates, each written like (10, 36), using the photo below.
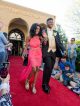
(5, 97)
(67, 75)
(60, 66)
(75, 84)
(64, 61)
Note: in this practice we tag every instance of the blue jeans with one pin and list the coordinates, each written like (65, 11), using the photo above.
(2, 60)
(72, 61)
(2, 57)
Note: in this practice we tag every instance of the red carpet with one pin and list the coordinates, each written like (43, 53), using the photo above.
(59, 95)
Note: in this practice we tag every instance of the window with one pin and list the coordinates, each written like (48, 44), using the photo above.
(15, 36)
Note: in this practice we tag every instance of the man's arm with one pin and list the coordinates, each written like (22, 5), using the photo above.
(59, 42)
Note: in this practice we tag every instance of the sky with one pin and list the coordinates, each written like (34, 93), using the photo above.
(59, 8)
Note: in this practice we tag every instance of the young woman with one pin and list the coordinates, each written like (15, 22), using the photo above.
(34, 57)
(72, 54)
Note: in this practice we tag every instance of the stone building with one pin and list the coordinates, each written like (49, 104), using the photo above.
(17, 21)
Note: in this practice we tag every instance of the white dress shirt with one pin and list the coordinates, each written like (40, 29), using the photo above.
(52, 43)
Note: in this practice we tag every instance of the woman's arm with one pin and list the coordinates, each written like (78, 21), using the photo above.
(26, 46)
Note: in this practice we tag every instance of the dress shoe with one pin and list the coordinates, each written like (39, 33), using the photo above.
(46, 88)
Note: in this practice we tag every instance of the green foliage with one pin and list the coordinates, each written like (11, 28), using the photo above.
(78, 59)
(78, 54)
(78, 42)
(73, 19)
(62, 34)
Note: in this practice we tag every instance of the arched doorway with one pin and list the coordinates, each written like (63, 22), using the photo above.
(17, 32)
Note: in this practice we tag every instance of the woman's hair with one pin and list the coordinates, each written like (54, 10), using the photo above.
(43, 26)
(33, 30)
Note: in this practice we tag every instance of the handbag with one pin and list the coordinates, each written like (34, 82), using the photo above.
(25, 62)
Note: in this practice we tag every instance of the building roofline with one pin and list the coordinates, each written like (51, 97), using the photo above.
(26, 8)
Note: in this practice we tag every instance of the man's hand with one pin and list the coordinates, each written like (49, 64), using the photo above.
(56, 63)
(65, 53)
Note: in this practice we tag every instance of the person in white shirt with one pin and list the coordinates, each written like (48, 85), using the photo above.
(72, 53)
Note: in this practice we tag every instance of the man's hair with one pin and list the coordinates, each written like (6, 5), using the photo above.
(49, 19)
(73, 39)
(67, 65)
(65, 56)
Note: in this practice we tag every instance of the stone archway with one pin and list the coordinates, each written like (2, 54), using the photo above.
(17, 33)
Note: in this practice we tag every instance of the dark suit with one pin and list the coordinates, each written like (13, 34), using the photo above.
(49, 57)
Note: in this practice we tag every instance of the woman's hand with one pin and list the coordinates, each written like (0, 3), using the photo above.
(44, 34)
(44, 39)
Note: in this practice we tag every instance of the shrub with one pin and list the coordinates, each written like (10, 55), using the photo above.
(78, 59)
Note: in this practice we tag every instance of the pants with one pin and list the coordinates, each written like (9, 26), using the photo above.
(2, 60)
(2, 57)
(66, 80)
(49, 61)
(72, 61)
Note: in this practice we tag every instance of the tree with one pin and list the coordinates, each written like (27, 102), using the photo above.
(73, 19)
(62, 34)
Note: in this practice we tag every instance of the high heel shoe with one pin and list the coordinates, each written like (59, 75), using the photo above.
(27, 85)
(34, 91)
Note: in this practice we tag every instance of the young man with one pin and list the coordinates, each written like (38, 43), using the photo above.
(64, 61)
(67, 75)
(51, 49)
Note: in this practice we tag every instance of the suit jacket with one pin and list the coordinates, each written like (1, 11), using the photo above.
(59, 46)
